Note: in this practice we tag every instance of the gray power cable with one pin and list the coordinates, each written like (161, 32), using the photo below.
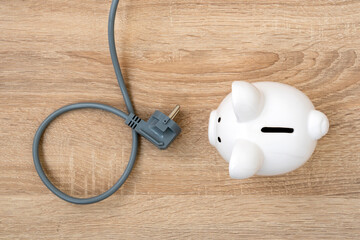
(113, 110)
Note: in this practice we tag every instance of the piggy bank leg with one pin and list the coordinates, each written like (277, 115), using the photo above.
(246, 159)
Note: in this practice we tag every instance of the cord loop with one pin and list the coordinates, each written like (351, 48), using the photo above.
(42, 174)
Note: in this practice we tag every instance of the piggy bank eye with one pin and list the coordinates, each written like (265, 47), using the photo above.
(219, 120)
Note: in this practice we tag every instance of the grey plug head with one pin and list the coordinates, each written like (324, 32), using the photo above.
(160, 129)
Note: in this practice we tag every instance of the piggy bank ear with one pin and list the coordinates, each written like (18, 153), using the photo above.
(247, 101)
(246, 160)
(318, 124)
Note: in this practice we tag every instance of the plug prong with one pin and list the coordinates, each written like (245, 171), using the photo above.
(174, 112)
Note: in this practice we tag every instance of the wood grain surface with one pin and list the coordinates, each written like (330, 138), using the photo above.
(186, 52)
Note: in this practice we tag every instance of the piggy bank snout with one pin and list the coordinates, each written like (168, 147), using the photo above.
(212, 128)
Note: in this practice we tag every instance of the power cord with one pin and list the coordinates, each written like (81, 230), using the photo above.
(160, 129)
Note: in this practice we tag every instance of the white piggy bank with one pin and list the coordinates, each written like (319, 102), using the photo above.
(265, 128)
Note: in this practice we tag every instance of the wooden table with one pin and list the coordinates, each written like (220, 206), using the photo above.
(55, 52)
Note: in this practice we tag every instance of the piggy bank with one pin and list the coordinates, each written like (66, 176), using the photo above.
(265, 128)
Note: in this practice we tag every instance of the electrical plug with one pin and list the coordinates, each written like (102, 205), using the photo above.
(160, 129)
